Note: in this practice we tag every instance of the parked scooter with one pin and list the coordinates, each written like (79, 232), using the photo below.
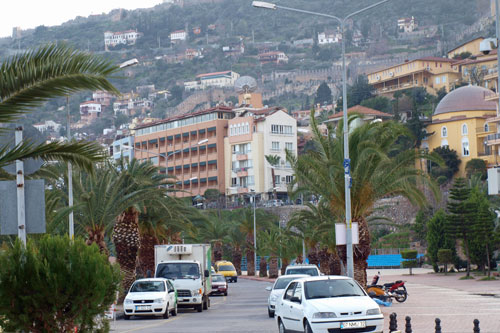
(396, 290)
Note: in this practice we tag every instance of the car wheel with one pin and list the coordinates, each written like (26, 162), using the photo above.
(225, 294)
(307, 327)
(270, 313)
(282, 327)
(205, 304)
(199, 307)
(174, 311)
(165, 315)
(126, 317)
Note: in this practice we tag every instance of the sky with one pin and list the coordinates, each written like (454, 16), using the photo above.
(29, 14)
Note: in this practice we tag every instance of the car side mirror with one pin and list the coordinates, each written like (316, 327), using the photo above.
(269, 288)
(295, 299)
(207, 273)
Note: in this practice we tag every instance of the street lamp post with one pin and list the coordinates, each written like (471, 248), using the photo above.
(254, 231)
(347, 161)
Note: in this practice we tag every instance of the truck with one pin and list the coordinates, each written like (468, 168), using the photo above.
(188, 266)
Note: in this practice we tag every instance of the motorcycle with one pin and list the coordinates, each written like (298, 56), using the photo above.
(388, 291)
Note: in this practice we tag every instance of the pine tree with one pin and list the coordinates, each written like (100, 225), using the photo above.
(323, 94)
(484, 228)
(460, 221)
(437, 238)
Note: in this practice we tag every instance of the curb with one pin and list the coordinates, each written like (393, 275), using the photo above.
(255, 278)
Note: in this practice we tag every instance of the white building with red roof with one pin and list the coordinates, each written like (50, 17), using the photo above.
(365, 115)
(128, 37)
(178, 36)
(89, 111)
(216, 79)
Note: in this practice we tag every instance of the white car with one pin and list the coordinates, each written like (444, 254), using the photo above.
(277, 291)
(327, 304)
(307, 269)
(151, 297)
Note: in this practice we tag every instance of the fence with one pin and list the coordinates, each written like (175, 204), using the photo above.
(393, 325)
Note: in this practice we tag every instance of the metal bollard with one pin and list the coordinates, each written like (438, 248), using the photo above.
(476, 326)
(393, 322)
(438, 325)
(408, 325)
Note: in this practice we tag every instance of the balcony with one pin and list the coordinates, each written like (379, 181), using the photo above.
(242, 172)
(396, 87)
(241, 157)
(493, 139)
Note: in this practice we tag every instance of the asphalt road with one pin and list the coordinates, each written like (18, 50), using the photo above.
(243, 310)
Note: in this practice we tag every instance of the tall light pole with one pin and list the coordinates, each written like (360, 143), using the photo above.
(71, 230)
(254, 232)
(347, 161)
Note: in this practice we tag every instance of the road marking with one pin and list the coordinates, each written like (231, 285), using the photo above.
(153, 325)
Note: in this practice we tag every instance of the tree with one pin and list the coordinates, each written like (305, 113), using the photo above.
(30, 79)
(451, 163)
(271, 243)
(476, 166)
(437, 238)
(459, 222)
(375, 173)
(379, 103)
(323, 95)
(358, 92)
(445, 257)
(410, 259)
(56, 285)
(274, 161)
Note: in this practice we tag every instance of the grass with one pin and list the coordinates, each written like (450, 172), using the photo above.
(467, 278)
(490, 278)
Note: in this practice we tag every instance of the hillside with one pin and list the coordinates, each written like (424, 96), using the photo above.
(235, 22)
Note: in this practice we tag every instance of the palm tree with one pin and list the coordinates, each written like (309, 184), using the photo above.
(236, 239)
(274, 161)
(270, 244)
(212, 229)
(376, 171)
(29, 79)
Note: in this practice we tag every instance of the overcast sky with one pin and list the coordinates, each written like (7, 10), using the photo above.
(32, 13)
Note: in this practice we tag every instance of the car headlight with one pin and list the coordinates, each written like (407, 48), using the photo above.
(371, 312)
(158, 300)
(273, 298)
(324, 315)
(197, 292)
(128, 301)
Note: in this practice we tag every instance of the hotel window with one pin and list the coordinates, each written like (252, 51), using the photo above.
(275, 145)
(465, 147)
(444, 132)
(288, 179)
(486, 127)
(289, 146)
(465, 130)
(438, 80)
(444, 143)
(444, 79)
(277, 179)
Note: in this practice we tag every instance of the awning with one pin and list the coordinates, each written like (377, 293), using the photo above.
(170, 137)
(212, 162)
(212, 178)
(186, 166)
(203, 163)
(203, 147)
(162, 139)
(153, 141)
(185, 134)
(177, 136)
(194, 165)
(194, 149)
(211, 129)
(203, 180)
(193, 132)
(201, 131)
(178, 167)
(212, 145)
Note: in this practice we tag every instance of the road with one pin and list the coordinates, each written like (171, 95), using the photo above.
(243, 310)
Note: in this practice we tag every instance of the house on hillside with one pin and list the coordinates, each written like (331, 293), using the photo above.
(277, 57)
(367, 115)
(178, 36)
(407, 24)
(217, 79)
(128, 37)
(90, 111)
(48, 126)
(471, 46)
(329, 37)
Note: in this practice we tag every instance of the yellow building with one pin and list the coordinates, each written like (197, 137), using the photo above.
(471, 46)
(460, 122)
(432, 73)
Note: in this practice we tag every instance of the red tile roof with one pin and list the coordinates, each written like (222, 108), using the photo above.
(89, 102)
(361, 110)
(436, 59)
(215, 73)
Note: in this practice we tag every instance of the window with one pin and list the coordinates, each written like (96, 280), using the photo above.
(465, 130)
(444, 143)
(486, 127)
(438, 80)
(444, 79)
(288, 179)
(297, 293)
(277, 179)
(234, 181)
(444, 132)
(289, 146)
(289, 291)
(465, 147)
(275, 145)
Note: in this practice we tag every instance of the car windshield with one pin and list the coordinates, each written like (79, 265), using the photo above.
(218, 278)
(147, 287)
(332, 288)
(308, 271)
(283, 282)
(226, 268)
(178, 271)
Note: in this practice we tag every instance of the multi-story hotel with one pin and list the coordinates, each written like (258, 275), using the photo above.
(432, 73)
(189, 147)
(252, 135)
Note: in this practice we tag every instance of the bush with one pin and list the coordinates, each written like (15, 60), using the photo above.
(410, 257)
(445, 257)
(55, 286)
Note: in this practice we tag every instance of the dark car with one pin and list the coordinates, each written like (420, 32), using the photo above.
(219, 285)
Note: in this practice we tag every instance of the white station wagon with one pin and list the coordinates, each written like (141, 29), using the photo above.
(327, 304)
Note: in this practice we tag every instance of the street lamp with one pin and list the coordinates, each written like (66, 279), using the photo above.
(347, 161)
(254, 232)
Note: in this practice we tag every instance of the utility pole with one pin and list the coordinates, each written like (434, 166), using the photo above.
(70, 175)
(21, 209)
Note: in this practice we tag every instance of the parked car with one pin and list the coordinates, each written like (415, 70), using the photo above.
(277, 290)
(325, 304)
(227, 269)
(151, 297)
(219, 285)
(311, 270)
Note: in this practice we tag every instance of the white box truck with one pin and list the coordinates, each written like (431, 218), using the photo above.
(188, 266)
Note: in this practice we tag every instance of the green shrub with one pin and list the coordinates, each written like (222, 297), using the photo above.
(410, 257)
(445, 257)
(441, 180)
(55, 286)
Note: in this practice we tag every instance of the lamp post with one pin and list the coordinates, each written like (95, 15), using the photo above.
(347, 161)
(254, 232)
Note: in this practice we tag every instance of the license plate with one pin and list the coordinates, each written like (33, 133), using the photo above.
(353, 324)
(143, 307)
